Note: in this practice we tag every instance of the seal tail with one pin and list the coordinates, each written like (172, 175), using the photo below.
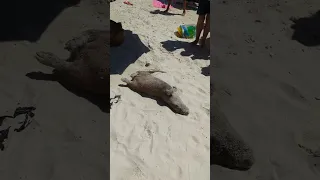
(51, 60)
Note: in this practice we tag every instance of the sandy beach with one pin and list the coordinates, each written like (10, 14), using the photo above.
(51, 131)
(67, 136)
(148, 141)
(263, 65)
(266, 84)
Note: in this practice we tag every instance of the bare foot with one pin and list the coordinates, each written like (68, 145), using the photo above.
(202, 42)
(184, 13)
(166, 11)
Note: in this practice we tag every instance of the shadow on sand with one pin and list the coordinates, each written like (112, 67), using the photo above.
(121, 57)
(177, 5)
(157, 11)
(190, 5)
(99, 100)
(206, 71)
(27, 20)
(196, 52)
(307, 30)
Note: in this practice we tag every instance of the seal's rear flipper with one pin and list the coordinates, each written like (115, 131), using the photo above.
(147, 72)
(153, 71)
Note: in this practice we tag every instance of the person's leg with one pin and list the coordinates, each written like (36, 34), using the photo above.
(169, 4)
(184, 7)
(200, 23)
(206, 31)
(199, 28)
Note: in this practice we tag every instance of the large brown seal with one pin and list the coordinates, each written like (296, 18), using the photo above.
(227, 148)
(88, 65)
(144, 82)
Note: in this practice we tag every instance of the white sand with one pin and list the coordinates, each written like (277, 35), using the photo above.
(149, 141)
(267, 85)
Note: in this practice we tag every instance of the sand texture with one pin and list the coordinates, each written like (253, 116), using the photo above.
(148, 141)
(67, 138)
(267, 84)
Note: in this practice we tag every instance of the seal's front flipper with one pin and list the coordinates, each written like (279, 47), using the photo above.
(50, 59)
(126, 80)
(82, 39)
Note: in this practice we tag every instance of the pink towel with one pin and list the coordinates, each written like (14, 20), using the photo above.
(159, 4)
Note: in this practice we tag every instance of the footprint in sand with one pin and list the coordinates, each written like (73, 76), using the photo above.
(292, 92)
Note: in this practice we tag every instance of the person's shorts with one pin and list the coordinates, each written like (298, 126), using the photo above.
(204, 7)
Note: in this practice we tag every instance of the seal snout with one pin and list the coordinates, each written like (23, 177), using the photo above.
(184, 110)
(177, 105)
(231, 153)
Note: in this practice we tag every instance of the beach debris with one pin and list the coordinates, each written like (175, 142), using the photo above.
(3, 136)
(186, 31)
(310, 151)
(114, 98)
(27, 111)
(160, 4)
(128, 3)
(144, 82)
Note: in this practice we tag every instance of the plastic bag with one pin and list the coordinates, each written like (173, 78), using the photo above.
(187, 31)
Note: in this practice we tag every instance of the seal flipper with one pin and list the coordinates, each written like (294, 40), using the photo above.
(50, 59)
(147, 72)
(83, 38)
(126, 80)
